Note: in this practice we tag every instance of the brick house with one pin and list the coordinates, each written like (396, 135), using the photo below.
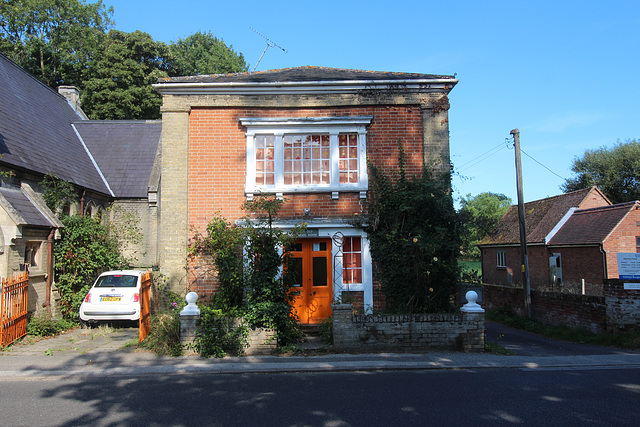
(303, 134)
(572, 239)
(41, 132)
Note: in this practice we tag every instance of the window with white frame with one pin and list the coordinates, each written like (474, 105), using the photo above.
(501, 259)
(352, 260)
(306, 154)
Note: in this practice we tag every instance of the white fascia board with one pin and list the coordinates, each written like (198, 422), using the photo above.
(266, 88)
(559, 225)
(273, 122)
(93, 161)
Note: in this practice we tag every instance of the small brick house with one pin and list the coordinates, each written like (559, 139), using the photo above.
(303, 134)
(572, 239)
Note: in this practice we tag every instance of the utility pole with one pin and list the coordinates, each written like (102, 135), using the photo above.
(526, 285)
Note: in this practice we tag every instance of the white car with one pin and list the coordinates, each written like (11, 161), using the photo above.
(114, 296)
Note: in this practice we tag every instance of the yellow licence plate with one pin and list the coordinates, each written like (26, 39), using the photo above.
(110, 299)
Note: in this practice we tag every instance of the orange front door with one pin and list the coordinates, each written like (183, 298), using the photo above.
(311, 269)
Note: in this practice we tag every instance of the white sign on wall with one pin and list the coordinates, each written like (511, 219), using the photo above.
(629, 266)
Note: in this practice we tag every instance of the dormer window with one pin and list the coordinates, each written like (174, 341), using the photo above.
(306, 155)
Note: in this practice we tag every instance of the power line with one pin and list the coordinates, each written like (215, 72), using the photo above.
(523, 152)
(481, 157)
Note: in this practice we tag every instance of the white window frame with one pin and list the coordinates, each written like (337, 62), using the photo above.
(501, 259)
(333, 126)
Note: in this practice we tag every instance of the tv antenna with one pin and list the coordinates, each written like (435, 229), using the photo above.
(270, 43)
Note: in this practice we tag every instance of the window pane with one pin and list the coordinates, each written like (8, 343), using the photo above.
(320, 246)
(320, 271)
(307, 159)
(347, 245)
(352, 260)
(296, 272)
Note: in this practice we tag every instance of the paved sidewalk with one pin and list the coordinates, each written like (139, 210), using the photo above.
(95, 353)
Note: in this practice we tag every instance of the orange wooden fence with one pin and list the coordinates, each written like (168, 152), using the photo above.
(145, 306)
(13, 308)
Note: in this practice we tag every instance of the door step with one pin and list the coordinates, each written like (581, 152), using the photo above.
(312, 340)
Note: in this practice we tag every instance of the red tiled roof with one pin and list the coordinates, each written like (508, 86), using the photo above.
(591, 226)
(541, 216)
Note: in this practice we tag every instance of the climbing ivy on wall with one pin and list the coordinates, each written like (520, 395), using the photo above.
(249, 260)
(412, 228)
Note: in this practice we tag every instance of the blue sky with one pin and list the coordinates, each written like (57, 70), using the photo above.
(566, 73)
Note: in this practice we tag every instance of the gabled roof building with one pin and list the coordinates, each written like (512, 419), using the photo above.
(572, 242)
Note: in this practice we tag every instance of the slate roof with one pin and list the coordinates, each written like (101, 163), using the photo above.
(303, 74)
(591, 226)
(36, 132)
(541, 216)
(125, 151)
(23, 210)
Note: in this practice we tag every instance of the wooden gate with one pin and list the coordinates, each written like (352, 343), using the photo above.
(145, 306)
(13, 308)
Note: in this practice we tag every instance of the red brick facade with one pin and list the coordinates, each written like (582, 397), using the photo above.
(622, 240)
(217, 167)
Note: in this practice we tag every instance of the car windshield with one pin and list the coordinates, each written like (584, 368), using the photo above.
(117, 281)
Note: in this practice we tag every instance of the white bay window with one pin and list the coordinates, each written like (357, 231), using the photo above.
(326, 154)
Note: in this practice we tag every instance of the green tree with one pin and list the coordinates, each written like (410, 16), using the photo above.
(57, 192)
(84, 251)
(615, 170)
(54, 40)
(478, 215)
(411, 225)
(120, 78)
(203, 53)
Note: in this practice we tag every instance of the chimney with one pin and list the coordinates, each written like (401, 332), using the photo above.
(73, 98)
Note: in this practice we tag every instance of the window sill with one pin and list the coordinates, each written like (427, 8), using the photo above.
(309, 189)
(352, 287)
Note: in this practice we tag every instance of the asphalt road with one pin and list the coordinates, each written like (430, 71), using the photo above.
(393, 398)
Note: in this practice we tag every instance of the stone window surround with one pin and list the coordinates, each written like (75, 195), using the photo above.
(308, 125)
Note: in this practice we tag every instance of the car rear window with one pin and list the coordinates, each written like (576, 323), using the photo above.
(117, 281)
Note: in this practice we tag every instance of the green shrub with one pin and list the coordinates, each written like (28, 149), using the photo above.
(220, 333)
(84, 251)
(326, 330)
(254, 283)
(164, 336)
(43, 325)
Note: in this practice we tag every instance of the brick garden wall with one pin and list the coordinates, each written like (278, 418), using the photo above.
(618, 309)
(446, 331)
(575, 311)
(577, 263)
(623, 305)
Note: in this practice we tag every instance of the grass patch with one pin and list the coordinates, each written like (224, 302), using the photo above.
(628, 339)
(495, 348)
(470, 264)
